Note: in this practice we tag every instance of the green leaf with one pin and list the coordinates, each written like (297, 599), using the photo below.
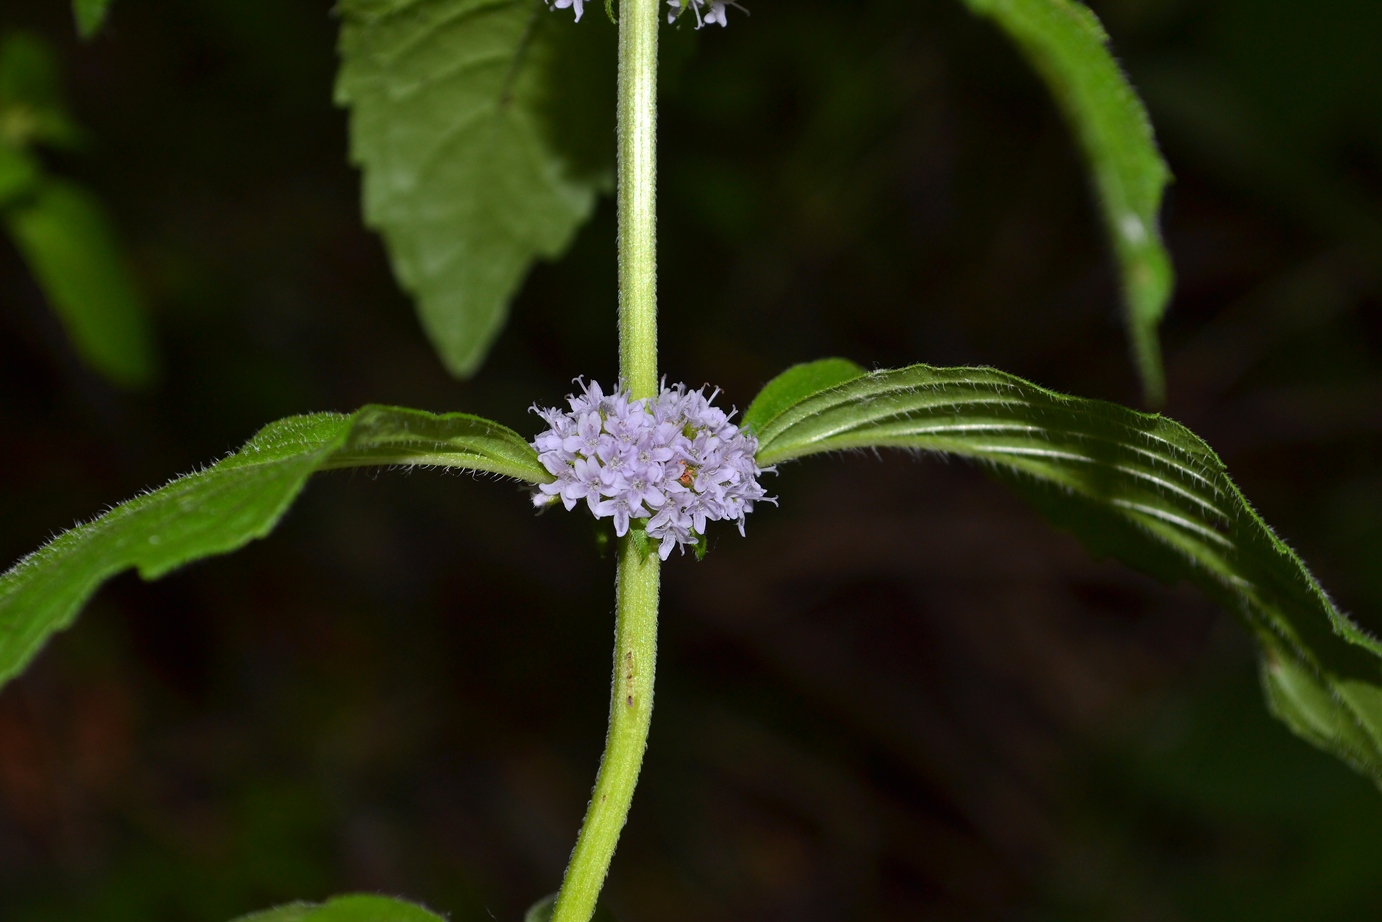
(18, 175)
(1314, 707)
(1134, 486)
(73, 252)
(454, 121)
(91, 15)
(794, 385)
(1066, 44)
(229, 504)
(354, 908)
(541, 911)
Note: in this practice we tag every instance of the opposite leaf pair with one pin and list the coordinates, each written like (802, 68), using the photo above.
(1134, 486)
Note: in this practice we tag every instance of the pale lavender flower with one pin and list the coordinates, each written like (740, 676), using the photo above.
(671, 463)
(622, 509)
(563, 4)
(714, 11)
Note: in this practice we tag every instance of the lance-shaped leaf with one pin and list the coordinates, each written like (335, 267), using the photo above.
(229, 504)
(464, 173)
(1068, 47)
(1131, 485)
(354, 908)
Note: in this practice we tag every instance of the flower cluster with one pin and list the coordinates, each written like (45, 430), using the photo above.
(673, 462)
(714, 11)
(707, 12)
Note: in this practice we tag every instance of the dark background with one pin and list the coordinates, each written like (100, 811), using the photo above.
(904, 696)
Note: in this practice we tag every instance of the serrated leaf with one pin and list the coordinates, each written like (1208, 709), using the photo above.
(354, 908)
(1134, 486)
(229, 504)
(1068, 47)
(68, 243)
(465, 174)
(91, 15)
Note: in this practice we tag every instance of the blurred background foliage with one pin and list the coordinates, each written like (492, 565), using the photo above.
(903, 696)
(60, 228)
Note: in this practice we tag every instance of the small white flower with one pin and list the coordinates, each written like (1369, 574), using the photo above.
(714, 11)
(679, 7)
(563, 4)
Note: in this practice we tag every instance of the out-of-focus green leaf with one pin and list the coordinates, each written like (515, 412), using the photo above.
(354, 908)
(32, 108)
(1135, 486)
(1066, 44)
(91, 15)
(71, 249)
(18, 174)
(795, 385)
(229, 504)
(541, 911)
(464, 174)
(60, 229)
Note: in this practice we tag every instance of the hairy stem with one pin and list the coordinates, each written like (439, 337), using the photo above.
(631, 709)
(636, 585)
(637, 202)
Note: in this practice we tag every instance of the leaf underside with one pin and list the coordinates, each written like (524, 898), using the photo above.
(463, 173)
(354, 908)
(1068, 47)
(1138, 487)
(225, 506)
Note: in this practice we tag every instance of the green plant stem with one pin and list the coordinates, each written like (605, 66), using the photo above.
(637, 196)
(636, 584)
(630, 711)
